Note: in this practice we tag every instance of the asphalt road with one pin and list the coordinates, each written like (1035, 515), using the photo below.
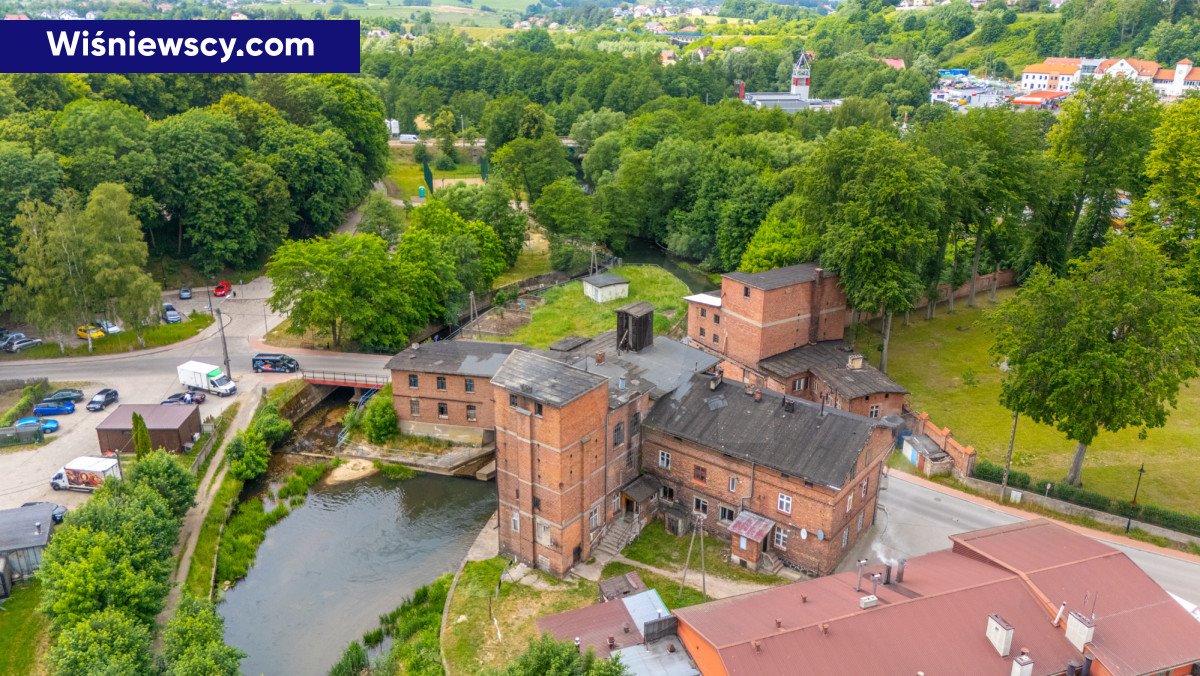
(915, 520)
(147, 378)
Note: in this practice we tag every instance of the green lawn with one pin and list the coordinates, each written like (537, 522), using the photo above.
(449, 11)
(409, 177)
(658, 548)
(24, 634)
(155, 336)
(567, 312)
(937, 360)
(529, 264)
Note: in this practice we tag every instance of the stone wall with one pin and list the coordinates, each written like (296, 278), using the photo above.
(963, 457)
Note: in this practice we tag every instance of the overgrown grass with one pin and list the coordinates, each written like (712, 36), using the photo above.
(302, 478)
(200, 573)
(658, 548)
(221, 427)
(409, 178)
(392, 470)
(285, 391)
(24, 632)
(246, 530)
(567, 312)
(471, 643)
(415, 629)
(667, 589)
(529, 264)
(126, 341)
(937, 359)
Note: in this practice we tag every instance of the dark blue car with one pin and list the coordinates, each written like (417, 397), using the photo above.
(54, 408)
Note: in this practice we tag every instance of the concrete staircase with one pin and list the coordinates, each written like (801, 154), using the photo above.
(770, 564)
(620, 532)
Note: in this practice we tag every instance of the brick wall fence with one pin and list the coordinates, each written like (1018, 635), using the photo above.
(963, 457)
(983, 285)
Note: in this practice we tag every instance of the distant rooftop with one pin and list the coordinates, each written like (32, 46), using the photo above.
(779, 277)
(544, 379)
(462, 357)
(592, 625)
(829, 360)
(157, 416)
(658, 369)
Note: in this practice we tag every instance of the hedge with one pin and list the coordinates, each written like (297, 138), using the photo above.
(30, 396)
(1061, 490)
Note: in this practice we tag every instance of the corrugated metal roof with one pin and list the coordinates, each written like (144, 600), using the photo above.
(604, 279)
(157, 416)
(544, 379)
(802, 442)
(462, 357)
(777, 278)
(829, 360)
(751, 525)
(642, 488)
(645, 607)
(18, 530)
(654, 659)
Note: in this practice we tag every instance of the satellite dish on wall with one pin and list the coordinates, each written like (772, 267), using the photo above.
(820, 535)
(803, 533)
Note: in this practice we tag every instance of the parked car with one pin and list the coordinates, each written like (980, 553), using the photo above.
(65, 394)
(185, 293)
(23, 344)
(222, 289)
(185, 398)
(274, 363)
(58, 513)
(10, 338)
(170, 315)
(54, 408)
(108, 327)
(103, 398)
(89, 330)
(46, 424)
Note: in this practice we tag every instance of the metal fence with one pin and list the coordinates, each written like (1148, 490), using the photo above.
(15, 436)
(660, 628)
(344, 379)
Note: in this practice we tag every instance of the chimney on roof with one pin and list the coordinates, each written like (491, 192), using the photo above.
(1073, 668)
(855, 362)
(778, 623)
(825, 628)
(37, 527)
(1000, 634)
(714, 381)
(858, 582)
(900, 570)
(1080, 630)
(1087, 666)
(1022, 664)
(887, 574)
(625, 627)
(599, 357)
(621, 383)
(612, 642)
(757, 394)
(1058, 616)
(875, 577)
(789, 406)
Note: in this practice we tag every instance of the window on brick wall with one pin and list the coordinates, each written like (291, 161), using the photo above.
(619, 434)
(703, 312)
(414, 407)
(860, 521)
(668, 493)
(702, 332)
(874, 411)
(469, 385)
(414, 380)
(516, 522)
(471, 416)
(537, 409)
(849, 502)
(664, 460)
(513, 401)
(716, 338)
(441, 382)
(616, 507)
(800, 384)
(727, 514)
(862, 488)
(443, 409)
(635, 424)
(745, 292)
(716, 318)
(845, 537)
(543, 533)
(594, 518)
(732, 484)
(700, 473)
(700, 505)
(780, 538)
(784, 504)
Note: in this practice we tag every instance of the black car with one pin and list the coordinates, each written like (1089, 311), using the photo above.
(58, 513)
(274, 363)
(65, 394)
(185, 398)
(103, 398)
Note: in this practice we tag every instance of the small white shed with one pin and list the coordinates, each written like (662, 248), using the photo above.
(604, 287)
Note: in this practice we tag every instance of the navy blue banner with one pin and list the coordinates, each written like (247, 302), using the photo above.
(179, 46)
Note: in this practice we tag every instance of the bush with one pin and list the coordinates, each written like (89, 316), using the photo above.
(1184, 523)
(445, 163)
(272, 427)
(380, 421)
(194, 642)
(30, 395)
(420, 153)
(353, 662)
(106, 642)
(248, 455)
(168, 478)
(569, 257)
(394, 471)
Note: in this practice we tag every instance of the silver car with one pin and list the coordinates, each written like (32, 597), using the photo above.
(170, 315)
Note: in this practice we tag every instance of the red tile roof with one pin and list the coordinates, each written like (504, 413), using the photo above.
(1143, 68)
(1020, 572)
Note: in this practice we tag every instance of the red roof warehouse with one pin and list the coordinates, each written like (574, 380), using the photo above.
(1024, 599)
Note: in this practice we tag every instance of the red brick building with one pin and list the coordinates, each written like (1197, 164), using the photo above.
(782, 330)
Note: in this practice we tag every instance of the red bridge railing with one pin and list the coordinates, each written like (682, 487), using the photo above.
(344, 379)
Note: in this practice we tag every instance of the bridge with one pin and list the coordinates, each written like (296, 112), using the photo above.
(340, 379)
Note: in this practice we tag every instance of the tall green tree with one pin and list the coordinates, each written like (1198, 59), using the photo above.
(564, 209)
(194, 642)
(528, 166)
(1104, 348)
(381, 217)
(107, 643)
(24, 174)
(164, 475)
(141, 437)
(490, 203)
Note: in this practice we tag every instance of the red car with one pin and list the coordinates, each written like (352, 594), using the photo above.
(222, 289)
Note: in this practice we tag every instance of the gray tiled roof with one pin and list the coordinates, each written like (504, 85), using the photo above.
(829, 361)
(17, 530)
(777, 278)
(605, 279)
(822, 448)
(462, 357)
(544, 379)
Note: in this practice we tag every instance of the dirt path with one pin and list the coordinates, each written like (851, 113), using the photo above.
(194, 519)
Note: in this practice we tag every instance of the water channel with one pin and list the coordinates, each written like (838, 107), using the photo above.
(351, 553)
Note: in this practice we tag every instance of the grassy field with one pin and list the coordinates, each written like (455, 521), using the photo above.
(567, 312)
(409, 177)
(470, 639)
(24, 632)
(453, 13)
(656, 547)
(529, 264)
(946, 366)
(155, 336)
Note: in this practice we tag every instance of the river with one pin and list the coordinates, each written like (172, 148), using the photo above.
(351, 553)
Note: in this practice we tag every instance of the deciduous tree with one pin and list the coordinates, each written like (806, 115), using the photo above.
(107, 643)
(166, 476)
(194, 642)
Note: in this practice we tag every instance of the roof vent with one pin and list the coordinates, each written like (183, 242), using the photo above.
(1000, 633)
(868, 601)
(789, 405)
(1022, 664)
(779, 623)
(1080, 630)
(526, 387)
(855, 362)
(37, 527)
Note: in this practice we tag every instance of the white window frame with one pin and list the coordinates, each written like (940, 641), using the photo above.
(721, 514)
(732, 484)
(800, 384)
(700, 505)
(414, 408)
(781, 538)
(664, 459)
(860, 521)
(849, 502)
(594, 518)
(472, 413)
(873, 412)
(784, 503)
(515, 522)
(845, 537)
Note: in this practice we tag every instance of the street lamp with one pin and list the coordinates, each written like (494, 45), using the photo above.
(1129, 519)
(208, 290)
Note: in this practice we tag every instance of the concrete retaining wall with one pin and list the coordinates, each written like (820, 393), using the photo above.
(304, 401)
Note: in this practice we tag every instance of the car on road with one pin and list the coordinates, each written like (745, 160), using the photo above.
(22, 344)
(89, 331)
(54, 408)
(185, 398)
(46, 424)
(57, 514)
(170, 315)
(65, 394)
(103, 398)
(185, 293)
(108, 327)
(222, 289)
(274, 363)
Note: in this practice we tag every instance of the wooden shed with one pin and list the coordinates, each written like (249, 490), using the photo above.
(171, 426)
(24, 534)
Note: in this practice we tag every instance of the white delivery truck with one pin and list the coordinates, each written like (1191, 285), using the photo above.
(196, 375)
(86, 473)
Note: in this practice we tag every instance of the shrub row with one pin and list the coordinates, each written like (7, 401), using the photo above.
(1177, 521)
(30, 395)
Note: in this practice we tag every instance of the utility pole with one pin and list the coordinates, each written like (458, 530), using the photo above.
(1008, 461)
(703, 573)
(224, 347)
(1141, 471)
